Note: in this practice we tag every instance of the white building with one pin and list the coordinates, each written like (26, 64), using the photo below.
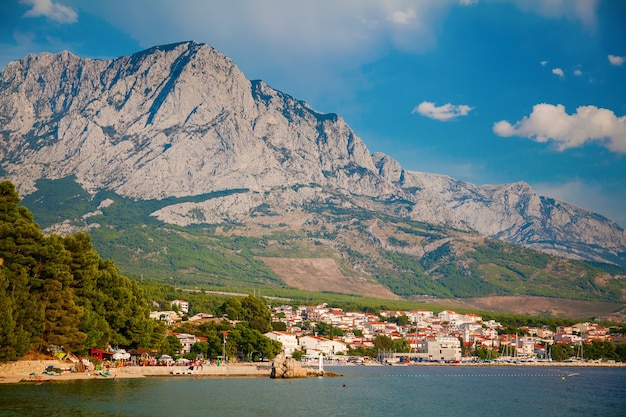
(320, 344)
(187, 340)
(443, 349)
(375, 326)
(417, 316)
(526, 348)
(288, 340)
(169, 317)
(182, 305)
(450, 316)
(488, 332)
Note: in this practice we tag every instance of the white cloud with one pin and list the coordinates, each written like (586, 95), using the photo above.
(401, 17)
(544, 63)
(326, 42)
(321, 27)
(616, 60)
(467, 2)
(444, 112)
(558, 71)
(578, 73)
(548, 122)
(53, 11)
(582, 10)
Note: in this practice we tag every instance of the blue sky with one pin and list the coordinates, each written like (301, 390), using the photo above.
(488, 92)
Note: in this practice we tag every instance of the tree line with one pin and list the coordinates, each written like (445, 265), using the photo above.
(58, 291)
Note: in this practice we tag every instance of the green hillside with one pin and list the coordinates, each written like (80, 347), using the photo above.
(410, 258)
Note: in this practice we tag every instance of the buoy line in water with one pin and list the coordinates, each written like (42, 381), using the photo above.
(558, 375)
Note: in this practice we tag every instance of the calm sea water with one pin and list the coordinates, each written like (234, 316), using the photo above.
(368, 391)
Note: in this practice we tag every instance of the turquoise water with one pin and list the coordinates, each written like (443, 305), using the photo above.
(368, 391)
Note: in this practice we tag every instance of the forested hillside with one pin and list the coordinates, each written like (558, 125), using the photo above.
(58, 291)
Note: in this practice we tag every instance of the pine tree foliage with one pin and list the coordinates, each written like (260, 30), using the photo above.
(58, 291)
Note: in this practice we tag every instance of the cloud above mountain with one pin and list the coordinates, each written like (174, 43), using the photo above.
(53, 11)
(444, 112)
(551, 123)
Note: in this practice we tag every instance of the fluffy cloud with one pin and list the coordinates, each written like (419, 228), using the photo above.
(558, 71)
(616, 60)
(52, 11)
(548, 122)
(578, 73)
(444, 112)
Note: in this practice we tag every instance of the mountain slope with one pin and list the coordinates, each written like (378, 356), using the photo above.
(511, 212)
(177, 136)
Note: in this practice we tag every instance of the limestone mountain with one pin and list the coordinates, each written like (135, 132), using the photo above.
(178, 133)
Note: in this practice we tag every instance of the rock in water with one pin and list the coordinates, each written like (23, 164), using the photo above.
(284, 367)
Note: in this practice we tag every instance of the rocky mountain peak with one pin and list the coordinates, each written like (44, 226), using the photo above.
(182, 120)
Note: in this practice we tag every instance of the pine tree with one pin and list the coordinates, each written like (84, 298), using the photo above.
(126, 309)
(59, 291)
(84, 266)
(62, 315)
(257, 313)
(8, 338)
(20, 242)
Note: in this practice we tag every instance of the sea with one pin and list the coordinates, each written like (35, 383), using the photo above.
(359, 391)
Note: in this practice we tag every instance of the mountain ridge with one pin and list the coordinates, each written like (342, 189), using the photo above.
(181, 120)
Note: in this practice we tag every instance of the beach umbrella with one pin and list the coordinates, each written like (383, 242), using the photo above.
(121, 355)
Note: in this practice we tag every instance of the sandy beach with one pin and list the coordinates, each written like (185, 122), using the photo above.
(33, 371)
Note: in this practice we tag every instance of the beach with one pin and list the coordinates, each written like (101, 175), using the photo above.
(34, 371)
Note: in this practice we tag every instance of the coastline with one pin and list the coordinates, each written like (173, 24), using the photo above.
(31, 371)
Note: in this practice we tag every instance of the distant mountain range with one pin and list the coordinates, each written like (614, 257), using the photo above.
(178, 134)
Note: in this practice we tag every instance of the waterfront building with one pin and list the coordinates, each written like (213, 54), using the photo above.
(320, 344)
(447, 349)
(288, 340)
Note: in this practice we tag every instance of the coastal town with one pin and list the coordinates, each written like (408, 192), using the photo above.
(316, 336)
(444, 337)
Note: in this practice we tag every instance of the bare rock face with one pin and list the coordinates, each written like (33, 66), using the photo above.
(182, 120)
(283, 367)
(514, 213)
